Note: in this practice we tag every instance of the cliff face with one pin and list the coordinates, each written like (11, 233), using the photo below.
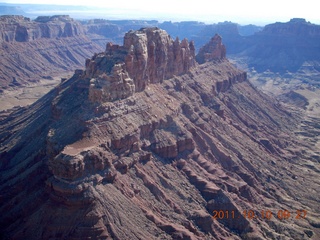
(155, 162)
(34, 49)
(147, 56)
(22, 29)
(294, 28)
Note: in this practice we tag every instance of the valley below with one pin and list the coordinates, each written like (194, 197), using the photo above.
(26, 95)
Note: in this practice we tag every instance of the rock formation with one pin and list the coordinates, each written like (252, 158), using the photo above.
(147, 56)
(155, 162)
(22, 29)
(214, 50)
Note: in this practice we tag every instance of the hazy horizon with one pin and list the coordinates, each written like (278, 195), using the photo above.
(244, 12)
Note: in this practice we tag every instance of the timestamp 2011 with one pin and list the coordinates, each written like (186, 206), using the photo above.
(263, 214)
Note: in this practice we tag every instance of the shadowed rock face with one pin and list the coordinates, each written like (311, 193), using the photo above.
(155, 162)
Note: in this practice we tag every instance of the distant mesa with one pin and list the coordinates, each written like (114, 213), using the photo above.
(22, 29)
(295, 27)
(45, 19)
(282, 47)
(45, 46)
(298, 20)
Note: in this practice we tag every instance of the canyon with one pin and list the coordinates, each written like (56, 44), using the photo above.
(148, 141)
(41, 49)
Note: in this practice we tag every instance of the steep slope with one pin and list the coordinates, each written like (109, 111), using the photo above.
(35, 49)
(148, 144)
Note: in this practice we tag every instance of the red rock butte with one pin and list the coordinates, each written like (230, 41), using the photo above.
(147, 56)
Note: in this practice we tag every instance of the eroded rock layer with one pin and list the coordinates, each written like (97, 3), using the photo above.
(158, 162)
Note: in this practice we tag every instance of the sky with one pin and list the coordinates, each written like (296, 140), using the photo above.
(240, 11)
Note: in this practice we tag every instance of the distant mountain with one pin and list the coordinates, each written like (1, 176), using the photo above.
(282, 47)
(248, 30)
(278, 47)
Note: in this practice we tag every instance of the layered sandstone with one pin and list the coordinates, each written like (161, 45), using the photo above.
(155, 163)
(147, 56)
(22, 29)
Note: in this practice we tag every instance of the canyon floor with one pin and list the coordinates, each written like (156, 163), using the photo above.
(26, 95)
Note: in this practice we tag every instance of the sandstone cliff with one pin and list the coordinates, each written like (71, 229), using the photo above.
(147, 56)
(34, 49)
(155, 162)
(22, 29)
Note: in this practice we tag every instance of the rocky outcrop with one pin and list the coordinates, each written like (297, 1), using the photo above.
(214, 50)
(117, 85)
(154, 56)
(147, 56)
(101, 30)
